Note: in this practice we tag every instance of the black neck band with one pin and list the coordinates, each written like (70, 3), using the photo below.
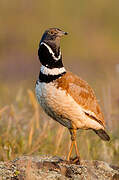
(49, 78)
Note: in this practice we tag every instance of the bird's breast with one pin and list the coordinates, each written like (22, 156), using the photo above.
(59, 105)
(51, 100)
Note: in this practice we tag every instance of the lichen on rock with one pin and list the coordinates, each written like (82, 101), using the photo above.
(55, 168)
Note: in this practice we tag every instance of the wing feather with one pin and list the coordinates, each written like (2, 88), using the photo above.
(83, 94)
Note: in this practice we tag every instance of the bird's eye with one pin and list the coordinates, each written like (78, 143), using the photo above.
(51, 32)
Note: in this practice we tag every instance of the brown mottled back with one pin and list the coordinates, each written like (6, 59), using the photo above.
(82, 93)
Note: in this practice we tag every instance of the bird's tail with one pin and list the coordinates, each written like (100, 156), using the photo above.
(102, 134)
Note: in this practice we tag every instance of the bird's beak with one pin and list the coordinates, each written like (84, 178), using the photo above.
(65, 33)
(62, 33)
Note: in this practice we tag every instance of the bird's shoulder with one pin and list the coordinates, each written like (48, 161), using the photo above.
(82, 93)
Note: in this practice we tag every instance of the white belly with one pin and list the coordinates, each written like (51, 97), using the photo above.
(62, 107)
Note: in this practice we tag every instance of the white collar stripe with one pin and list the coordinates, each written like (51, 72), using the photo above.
(51, 52)
(55, 71)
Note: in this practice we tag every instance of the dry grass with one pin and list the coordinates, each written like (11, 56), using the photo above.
(25, 129)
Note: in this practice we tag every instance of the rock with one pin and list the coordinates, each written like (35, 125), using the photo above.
(55, 168)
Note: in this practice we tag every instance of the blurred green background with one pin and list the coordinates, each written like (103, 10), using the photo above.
(91, 50)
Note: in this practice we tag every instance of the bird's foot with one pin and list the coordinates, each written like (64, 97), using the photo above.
(75, 160)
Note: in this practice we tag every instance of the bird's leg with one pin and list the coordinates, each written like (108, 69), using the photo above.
(73, 139)
(76, 149)
(71, 148)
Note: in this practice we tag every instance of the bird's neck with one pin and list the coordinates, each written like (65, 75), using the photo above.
(51, 59)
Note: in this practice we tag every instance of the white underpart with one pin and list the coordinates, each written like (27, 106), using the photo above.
(51, 52)
(54, 71)
(58, 104)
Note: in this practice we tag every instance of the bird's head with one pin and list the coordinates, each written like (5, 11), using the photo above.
(49, 48)
(53, 36)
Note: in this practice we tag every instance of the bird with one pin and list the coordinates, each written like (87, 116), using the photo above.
(64, 96)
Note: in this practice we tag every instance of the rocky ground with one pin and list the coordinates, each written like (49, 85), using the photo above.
(55, 168)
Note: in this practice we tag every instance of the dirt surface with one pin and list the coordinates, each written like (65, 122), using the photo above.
(55, 168)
